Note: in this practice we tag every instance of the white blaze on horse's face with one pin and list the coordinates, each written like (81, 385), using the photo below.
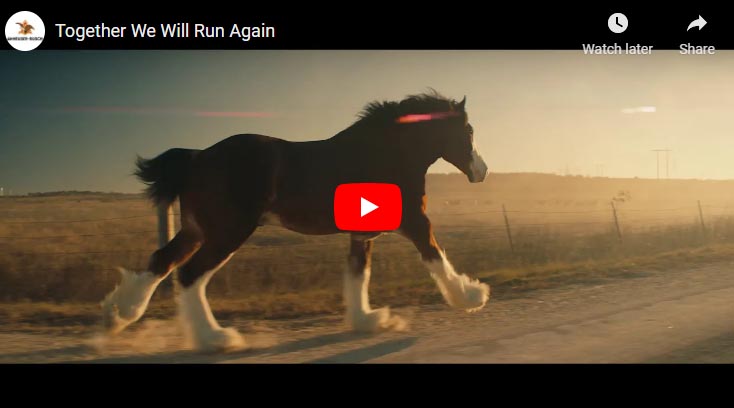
(477, 167)
(462, 153)
(460, 149)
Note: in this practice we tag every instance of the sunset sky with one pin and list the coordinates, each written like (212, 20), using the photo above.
(75, 120)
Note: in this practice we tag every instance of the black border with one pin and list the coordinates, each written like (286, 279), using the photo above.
(419, 26)
(380, 384)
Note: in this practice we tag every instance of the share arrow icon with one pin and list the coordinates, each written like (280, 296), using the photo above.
(699, 22)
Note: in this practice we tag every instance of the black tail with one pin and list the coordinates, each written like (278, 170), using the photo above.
(165, 175)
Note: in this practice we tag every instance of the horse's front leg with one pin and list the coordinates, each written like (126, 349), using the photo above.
(459, 290)
(359, 315)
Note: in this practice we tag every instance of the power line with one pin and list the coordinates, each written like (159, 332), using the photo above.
(79, 235)
(79, 221)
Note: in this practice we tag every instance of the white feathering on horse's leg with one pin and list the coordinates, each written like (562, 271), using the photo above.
(200, 324)
(459, 290)
(359, 315)
(128, 301)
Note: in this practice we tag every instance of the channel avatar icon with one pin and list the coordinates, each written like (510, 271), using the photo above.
(24, 31)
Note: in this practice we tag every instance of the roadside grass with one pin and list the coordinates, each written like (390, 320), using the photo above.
(506, 283)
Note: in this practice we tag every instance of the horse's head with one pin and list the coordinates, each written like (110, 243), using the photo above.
(458, 146)
(429, 127)
(447, 134)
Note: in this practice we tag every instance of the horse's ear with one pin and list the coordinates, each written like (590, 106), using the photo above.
(461, 104)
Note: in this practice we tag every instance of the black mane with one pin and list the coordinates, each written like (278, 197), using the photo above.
(389, 111)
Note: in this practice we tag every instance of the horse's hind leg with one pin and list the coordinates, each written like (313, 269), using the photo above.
(199, 322)
(127, 303)
(359, 315)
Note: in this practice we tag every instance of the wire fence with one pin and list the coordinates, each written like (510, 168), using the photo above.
(513, 224)
(73, 258)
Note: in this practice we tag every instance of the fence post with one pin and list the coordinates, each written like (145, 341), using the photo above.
(507, 227)
(700, 217)
(616, 221)
(166, 232)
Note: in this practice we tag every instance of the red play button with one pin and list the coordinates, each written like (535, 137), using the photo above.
(367, 207)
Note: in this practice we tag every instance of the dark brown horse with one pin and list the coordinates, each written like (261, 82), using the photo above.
(229, 189)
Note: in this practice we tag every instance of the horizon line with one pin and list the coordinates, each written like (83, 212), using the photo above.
(78, 191)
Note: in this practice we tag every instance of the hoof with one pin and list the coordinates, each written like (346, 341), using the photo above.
(127, 303)
(476, 295)
(376, 321)
(221, 339)
(112, 322)
(459, 290)
(462, 292)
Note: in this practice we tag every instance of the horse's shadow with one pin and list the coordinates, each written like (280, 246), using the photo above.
(358, 355)
(79, 350)
(368, 353)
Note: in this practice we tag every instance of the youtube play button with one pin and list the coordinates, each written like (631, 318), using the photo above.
(367, 207)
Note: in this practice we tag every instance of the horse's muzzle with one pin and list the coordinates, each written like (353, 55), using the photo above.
(477, 168)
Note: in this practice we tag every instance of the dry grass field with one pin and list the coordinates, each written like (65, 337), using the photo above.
(58, 251)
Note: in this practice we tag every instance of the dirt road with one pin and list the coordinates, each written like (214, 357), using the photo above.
(674, 316)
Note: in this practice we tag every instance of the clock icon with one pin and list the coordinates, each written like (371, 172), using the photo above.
(617, 23)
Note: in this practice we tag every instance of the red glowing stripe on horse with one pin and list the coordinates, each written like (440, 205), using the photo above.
(422, 117)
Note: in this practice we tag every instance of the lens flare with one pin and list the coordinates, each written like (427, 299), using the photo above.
(422, 117)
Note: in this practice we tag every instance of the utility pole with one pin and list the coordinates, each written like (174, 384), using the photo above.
(700, 217)
(600, 169)
(667, 161)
